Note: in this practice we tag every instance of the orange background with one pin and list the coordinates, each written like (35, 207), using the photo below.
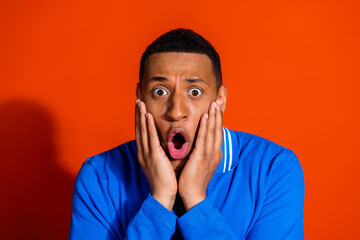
(68, 71)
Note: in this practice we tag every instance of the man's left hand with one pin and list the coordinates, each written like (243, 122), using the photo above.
(204, 159)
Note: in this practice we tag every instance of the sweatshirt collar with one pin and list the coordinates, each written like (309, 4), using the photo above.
(227, 162)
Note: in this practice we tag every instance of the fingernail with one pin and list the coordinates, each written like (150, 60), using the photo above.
(146, 115)
(216, 106)
(207, 116)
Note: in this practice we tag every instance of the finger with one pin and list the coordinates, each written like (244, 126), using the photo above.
(137, 128)
(222, 107)
(219, 130)
(143, 129)
(211, 127)
(153, 139)
(201, 136)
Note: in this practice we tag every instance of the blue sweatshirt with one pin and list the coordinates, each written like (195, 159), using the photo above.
(257, 192)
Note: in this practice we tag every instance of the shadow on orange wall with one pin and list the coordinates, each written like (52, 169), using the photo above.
(36, 193)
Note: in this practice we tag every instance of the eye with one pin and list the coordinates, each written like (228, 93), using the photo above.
(195, 92)
(160, 92)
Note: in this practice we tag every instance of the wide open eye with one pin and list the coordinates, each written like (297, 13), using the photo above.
(160, 92)
(195, 92)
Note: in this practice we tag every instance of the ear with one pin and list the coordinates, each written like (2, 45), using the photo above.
(221, 96)
(138, 91)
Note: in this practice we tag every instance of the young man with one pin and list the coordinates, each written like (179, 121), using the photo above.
(186, 176)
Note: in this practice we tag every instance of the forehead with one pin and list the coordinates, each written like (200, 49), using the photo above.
(184, 65)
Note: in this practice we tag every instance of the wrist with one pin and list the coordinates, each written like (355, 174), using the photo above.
(192, 200)
(166, 200)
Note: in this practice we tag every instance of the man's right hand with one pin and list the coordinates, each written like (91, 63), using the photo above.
(152, 158)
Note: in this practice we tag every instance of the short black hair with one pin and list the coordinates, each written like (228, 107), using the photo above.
(183, 41)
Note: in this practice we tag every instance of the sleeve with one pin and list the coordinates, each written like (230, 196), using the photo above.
(204, 221)
(281, 216)
(92, 216)
(153, 221)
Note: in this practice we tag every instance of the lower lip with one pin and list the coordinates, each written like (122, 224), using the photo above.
(178, 153)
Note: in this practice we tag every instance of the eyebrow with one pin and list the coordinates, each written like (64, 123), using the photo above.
(161, 79)
(196, 80)
(190, 80)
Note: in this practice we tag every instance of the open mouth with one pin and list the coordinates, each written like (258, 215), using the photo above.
(178, 141)
(178, 145)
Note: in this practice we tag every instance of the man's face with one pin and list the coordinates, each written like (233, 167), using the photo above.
(177, 89)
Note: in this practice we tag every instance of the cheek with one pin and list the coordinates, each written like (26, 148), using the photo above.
(157, 110)
(197, 111)
(152, 107)
(201, 108)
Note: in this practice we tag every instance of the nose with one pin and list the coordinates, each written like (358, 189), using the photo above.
(177, 107)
